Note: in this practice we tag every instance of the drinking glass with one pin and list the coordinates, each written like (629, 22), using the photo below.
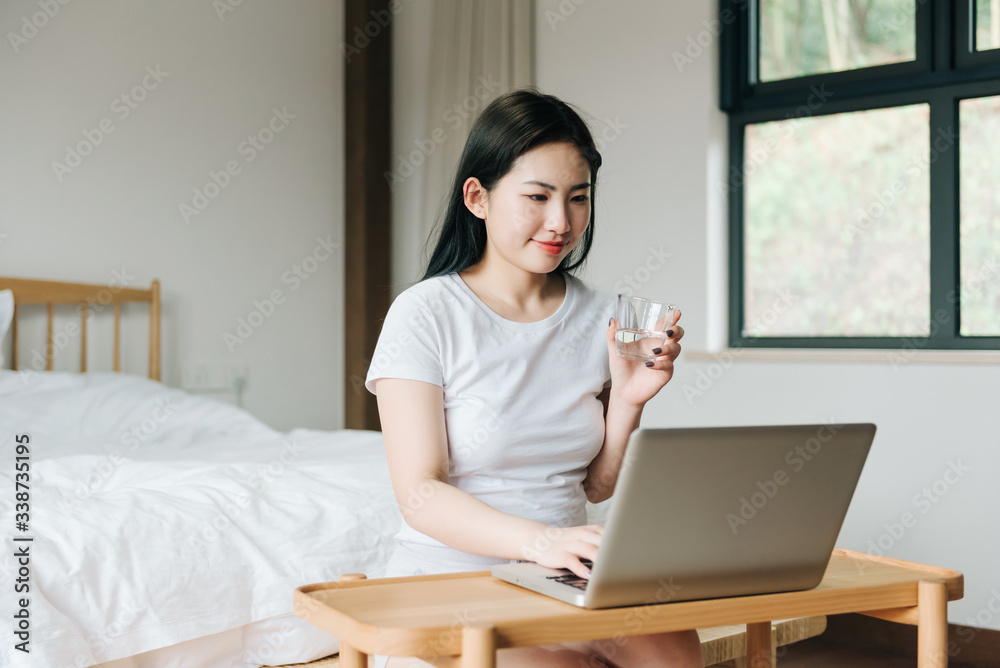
(642, 326)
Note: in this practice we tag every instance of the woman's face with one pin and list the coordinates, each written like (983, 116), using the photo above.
(537, 213)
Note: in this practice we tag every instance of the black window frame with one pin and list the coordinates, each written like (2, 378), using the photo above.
(946, 69)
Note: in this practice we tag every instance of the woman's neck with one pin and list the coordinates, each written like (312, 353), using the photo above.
(516, 294)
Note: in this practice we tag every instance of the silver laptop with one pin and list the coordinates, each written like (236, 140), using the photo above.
(712, 512)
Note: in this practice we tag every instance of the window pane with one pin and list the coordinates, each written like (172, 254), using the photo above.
(837, 224)
(987, 24)
(980, 225)
(801, 37)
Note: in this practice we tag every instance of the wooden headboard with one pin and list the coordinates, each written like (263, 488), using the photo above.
(31, 291)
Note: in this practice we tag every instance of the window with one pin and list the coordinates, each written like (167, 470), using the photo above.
(864, 163)
(800, 38)
(987, 31)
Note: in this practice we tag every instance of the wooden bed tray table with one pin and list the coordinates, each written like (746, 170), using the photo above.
(462, 619)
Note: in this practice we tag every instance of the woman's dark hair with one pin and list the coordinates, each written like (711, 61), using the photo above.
(510, 126)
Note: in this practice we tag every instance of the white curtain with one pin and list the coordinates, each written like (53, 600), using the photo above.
(479, 50)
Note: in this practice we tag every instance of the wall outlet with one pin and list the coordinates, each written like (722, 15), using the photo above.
(219, 375)
(237, 373)
(196, 376)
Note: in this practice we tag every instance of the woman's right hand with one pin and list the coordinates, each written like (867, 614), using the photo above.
(563, 547)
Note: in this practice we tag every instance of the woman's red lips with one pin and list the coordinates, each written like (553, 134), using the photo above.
(552, 248)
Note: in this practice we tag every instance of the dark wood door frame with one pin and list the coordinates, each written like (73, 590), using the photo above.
(367, 53)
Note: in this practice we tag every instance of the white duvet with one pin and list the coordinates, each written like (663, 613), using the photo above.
(159, 517)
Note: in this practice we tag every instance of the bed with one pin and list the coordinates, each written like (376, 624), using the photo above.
(170, 529)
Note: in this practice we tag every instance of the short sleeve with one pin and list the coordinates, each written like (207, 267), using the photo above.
(409, 345)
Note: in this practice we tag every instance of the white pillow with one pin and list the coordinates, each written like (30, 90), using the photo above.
(6, 314)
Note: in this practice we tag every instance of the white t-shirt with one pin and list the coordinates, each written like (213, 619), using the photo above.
(520, 399)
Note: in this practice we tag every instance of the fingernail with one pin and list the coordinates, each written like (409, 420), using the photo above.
(609, 321)
(670, 333)
(657, 351)
(649, 364)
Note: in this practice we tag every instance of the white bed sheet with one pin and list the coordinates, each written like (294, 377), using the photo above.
(161, 517)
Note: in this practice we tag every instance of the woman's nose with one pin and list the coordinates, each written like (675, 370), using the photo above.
(558, 220)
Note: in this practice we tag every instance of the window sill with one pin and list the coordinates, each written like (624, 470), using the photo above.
(894, 356)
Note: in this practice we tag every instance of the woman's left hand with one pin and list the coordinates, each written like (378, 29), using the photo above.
(635, 383)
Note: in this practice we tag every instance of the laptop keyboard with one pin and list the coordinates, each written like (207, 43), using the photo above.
(572, 579)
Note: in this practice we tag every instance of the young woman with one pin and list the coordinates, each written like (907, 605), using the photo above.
(503, 403)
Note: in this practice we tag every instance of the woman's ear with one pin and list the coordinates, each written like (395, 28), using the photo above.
(474, 195)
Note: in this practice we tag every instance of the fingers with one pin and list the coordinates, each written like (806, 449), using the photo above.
(577, 568)
(580, 551)
(665, 363)
(668, 352)
(569, 545)
(581, 543)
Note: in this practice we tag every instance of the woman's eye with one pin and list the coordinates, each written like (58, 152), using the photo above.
(542, 198)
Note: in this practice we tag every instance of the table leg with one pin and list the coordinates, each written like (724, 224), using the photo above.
(932, 625)
(351, 657)
(479, 646)
(759, 651)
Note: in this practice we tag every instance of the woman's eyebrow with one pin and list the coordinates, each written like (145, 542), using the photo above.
(546, 185)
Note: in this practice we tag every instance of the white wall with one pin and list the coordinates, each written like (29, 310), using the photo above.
(664, 154)
(222, 76)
